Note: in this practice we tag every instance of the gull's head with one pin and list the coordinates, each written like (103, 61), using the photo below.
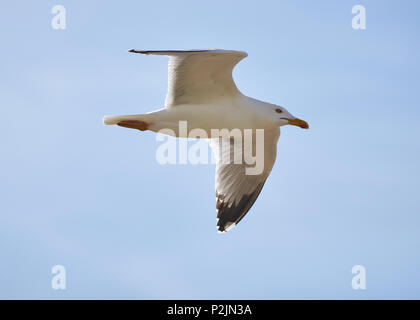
(283, 117)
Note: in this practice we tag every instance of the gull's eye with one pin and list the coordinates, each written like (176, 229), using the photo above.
(278, 110)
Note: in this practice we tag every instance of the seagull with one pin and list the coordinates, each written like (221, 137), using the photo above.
(202, 92)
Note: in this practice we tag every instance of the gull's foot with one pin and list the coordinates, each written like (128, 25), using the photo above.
(134, 124)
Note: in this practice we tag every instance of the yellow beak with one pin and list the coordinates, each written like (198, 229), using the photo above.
(299, 123)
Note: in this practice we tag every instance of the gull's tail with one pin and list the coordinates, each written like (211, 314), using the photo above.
(113, 120)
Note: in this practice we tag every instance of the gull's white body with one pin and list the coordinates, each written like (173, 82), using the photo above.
(239, 112)
(201, 91)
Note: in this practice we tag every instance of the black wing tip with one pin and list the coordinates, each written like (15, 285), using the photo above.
(225, 227)
(170, 51)
(230, 216)
(185, 51)
(138, 51)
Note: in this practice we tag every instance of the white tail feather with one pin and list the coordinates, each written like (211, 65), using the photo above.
(112, 120)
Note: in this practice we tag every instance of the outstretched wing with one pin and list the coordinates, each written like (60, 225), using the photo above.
(199, 76)
(236, 191)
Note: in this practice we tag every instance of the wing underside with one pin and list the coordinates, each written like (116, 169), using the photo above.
(236, 191)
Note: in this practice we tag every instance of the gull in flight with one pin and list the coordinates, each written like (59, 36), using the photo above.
(201, 91)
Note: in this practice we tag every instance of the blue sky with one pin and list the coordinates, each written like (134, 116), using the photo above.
(93, 198)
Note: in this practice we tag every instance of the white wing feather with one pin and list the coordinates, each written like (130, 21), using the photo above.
(199, 76)
(236, 192)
